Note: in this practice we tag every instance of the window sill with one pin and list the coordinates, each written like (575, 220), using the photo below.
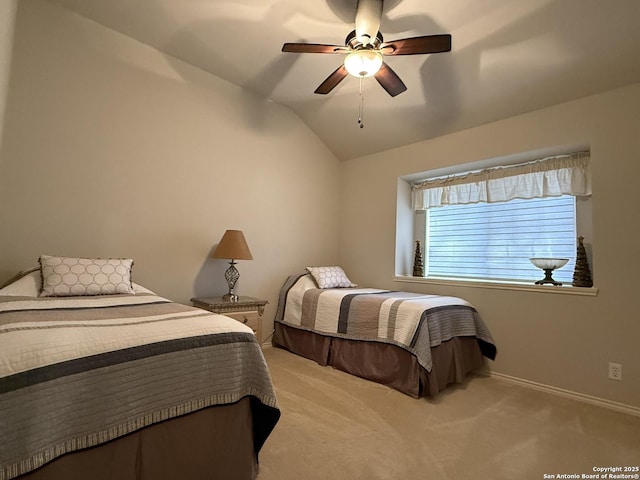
(520, 286)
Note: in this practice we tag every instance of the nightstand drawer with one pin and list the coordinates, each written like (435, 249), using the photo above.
(250, 319)
(247, 310)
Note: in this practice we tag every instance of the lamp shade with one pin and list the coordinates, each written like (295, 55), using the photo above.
(233, 246)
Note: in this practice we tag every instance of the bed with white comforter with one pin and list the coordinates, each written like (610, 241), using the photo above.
(413, 342)
(78, 372)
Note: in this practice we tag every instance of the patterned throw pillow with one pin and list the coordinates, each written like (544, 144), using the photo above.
(330, 277)
(67, 276)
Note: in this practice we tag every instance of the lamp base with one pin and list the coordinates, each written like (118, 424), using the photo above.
(230, 297)
(231, 275)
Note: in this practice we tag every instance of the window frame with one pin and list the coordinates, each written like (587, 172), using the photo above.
(409, 223)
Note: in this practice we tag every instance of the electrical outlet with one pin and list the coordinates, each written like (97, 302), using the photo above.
(615, 371)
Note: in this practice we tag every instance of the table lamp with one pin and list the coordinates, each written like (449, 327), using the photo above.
(232, 246)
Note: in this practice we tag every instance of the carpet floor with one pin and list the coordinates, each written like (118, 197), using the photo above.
(336, 426)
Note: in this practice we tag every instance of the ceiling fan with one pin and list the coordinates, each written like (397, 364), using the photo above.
(364, 48)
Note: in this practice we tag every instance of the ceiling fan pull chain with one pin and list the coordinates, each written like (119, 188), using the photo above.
(361, 109)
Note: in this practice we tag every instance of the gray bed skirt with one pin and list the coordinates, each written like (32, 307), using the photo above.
(384, 363)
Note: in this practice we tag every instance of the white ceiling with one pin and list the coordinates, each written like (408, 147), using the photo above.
(508, 57)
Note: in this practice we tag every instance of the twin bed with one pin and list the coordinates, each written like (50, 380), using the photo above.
(417, 344)
(127, 386)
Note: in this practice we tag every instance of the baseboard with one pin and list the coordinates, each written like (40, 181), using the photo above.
(601, 402)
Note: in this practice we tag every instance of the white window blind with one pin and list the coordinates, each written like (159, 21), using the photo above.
(496, 240)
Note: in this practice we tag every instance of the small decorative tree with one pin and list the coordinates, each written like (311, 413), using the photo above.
(418, 269)
(582, 273)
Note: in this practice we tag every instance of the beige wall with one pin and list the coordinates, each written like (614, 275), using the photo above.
(558, 340)
(7, 18)
(112, 149)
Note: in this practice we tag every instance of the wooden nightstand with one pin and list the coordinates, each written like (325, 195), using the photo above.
(247, 310)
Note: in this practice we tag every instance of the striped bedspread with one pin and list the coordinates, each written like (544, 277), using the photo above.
(412, 321)
(79, 371)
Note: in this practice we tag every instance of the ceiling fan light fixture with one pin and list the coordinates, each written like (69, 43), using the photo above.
(363, 63)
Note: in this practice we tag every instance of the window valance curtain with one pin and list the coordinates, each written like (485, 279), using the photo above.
(547, 177)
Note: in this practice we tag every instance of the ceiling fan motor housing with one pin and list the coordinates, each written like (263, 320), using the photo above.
(353, 43)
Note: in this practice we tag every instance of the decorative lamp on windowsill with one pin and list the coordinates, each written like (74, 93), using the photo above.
(549, 265)
(232, 246)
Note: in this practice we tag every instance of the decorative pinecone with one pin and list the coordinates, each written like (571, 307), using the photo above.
(582, 273)
(418, 269)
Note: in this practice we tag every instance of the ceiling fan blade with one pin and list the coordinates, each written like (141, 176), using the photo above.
(332, 80)
(313, 48)
(418, 45)
(390, 80)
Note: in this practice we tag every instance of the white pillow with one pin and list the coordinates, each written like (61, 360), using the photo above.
(330, 277)
(29, 284)
(70, 276)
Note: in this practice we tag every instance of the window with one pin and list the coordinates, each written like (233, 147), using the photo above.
(485, 224)
(495, 240)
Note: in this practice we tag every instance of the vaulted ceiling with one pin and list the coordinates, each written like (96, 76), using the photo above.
(508, 57)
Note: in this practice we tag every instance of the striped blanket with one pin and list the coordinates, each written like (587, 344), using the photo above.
(79, 371)
(412, 321)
